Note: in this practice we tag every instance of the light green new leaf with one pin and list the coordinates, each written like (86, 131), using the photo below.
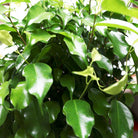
(117, 87)
(38, 79)
(4, 91)
(6, 38)
(119, 6)
(8, 1)
(121, 120)
(19, 96)
(37, 14)
(118, 24)
(2, 9)
(53, 110)
(87, 72)
(69, 82)
(80, 117)
(95, 55)
(120, 46)
(3, 113)
(101, 60)
(6, 28)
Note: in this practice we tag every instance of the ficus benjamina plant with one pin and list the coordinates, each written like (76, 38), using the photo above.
(64, 69)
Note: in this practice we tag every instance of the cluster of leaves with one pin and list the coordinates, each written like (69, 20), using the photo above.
(52, 85)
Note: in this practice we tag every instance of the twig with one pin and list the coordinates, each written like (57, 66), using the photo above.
(16, 29)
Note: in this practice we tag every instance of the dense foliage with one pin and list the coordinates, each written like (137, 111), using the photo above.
(66, 73)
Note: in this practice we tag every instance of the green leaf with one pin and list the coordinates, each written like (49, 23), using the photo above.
(119, 6)
(38, 80)
(2, 9)
(101, 60)
(118, 24)
(95, 55)
(3, 113)
(8, 1)
(117, 87)
(35, 123)
(87, 72)
(21, 134)
(4, 91)
(101, 108)
(6, 38)
(39, 35)
(121, 120)
(53, 110)
(6, 28)
(120, 46)
(69, 82)
(37, 14)
(80, 117)
(2, 69)
(76, 46)
(19, 96)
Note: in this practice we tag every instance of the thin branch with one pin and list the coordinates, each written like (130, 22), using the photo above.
(16, 29)
(91, 36)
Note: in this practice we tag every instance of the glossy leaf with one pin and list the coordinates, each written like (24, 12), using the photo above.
(118, 24)
(80, 117)
(21, 134)
(3, 113)
(19, 96)
(6, 38)
(39, 16)
(133, 87)
(119, 6)
(69, 82)
(121, 120)
(35, 123)
(76, 46)
(120, 46)
(41, 36)
(4, 91)
(53, 110)
(117, 87)
(38, 80)
(102, 107)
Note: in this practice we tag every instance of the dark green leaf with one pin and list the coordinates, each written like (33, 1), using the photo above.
(35, 123)
(38, 80)
(120, 46)
(79, 116)
(53, 110)
(133, 87)
(21, 134)
(121, 120)
(4, 91)
(2, 69)
(69, 82)
(102, 107)
(19, 96)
